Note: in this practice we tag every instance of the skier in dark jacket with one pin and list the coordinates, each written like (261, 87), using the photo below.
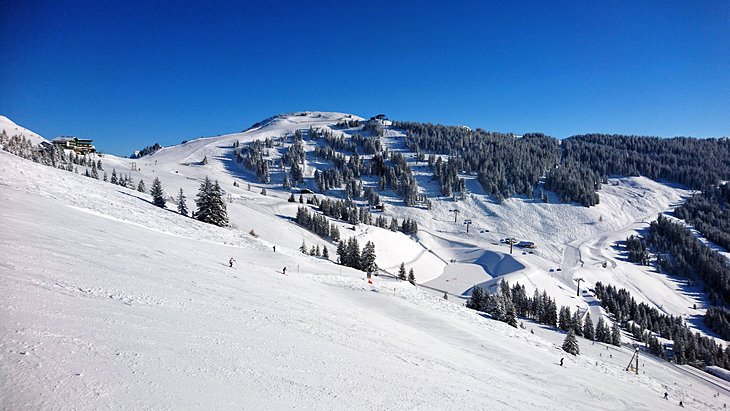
(231, 261)
(561, 361)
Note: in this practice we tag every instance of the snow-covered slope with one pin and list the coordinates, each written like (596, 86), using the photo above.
(12, 129)
(110, 302)
(442, 254)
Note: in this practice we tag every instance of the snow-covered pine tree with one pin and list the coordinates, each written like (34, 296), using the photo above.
(601, 331)
(510, 313)
(402, 272)
(616, 335)
(325, 252)
(570, 344)
(577, 323)
(394, 224)
(564, 318)
(588, 331)
(411, 277)
(211, 207)
(341, 253)
(475, 301)
(114, 179)
(182, 207)
(140, 187)
(353, 253)
(368, 257)
(495, 306)
(303, 247)
(158, 195)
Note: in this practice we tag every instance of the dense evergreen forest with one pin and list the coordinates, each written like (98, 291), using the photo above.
(709, 213)
(573, 168)
(648, 324)
(683, 255)
(696, 163)
(504, 165)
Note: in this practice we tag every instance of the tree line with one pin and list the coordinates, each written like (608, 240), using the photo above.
(709, 213)
(647, 324)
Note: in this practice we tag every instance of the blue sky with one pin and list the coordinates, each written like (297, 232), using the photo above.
(129, 74)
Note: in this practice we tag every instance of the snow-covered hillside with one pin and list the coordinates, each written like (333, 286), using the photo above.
(111, 302)
(442, 254)
(114, 301)
(12, 129)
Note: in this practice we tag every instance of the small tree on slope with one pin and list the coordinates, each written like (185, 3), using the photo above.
(181, 206)
(158, 195)
(570, 344)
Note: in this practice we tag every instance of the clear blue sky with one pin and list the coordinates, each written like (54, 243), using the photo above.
(129, 74)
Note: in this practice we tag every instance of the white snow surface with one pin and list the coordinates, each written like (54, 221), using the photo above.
(12, 129)
(110, 302)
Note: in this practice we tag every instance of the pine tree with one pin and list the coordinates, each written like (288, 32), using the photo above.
(411, 277)
(303, 247)
(114, 179)
(325, 252)
(158, 195)
(475, 300)
(570, 344)
(140, 187)
(577, 323)
(601, 331)
(615, 335)
(402, 272)
(263, 191)
(588, 331)
(368, 257)
(211, 207)
(564, 318)
(182, 208)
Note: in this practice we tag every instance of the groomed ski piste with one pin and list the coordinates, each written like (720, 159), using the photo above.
(111, 302)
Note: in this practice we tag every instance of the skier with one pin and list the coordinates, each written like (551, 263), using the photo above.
(666, 396)
(230, 262)
(561, 361)
(283, 271)
(274, 248)
(680, 404)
